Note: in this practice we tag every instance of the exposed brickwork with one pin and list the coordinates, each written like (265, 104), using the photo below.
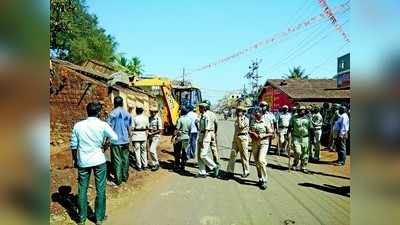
(66, 107)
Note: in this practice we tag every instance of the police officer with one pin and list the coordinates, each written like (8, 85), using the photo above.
(181, 136)
(240, 143)
(261, 133)
(316, 120)
(333, 116)
(155, 127)
(140, 125)
(299, 127)
(206, 136)
(283, 124)
(269, 118)
(214, 128)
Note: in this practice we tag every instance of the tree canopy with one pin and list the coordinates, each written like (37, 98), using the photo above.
(75, 34)
(133, 66)
(296, 73)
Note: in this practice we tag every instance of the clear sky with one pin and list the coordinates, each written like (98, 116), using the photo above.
(170, 35)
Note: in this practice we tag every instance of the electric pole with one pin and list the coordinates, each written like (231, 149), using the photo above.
(253, 78)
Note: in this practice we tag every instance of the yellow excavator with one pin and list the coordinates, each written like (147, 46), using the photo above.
(171, 97)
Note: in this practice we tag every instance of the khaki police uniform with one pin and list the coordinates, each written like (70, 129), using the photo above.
(240, 144)
(316, 120)
(283, 125)
(260, 146)
(155, 124)
(140, 124)
(206, 137)
(213, 143)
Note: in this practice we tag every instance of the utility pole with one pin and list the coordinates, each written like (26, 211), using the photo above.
(183, 76)
(253, 78)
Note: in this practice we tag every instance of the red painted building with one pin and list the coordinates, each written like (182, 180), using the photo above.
(278, 92)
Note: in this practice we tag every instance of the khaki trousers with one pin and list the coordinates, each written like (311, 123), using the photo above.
(260, 150)
(203, 145)
(240, 144)
(153, 143)
(139, 147)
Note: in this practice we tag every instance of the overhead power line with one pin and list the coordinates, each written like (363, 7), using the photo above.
(269, 40)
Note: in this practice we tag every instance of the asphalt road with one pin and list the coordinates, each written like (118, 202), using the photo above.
(291, 198)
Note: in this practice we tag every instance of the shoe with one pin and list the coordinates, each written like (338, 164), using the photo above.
(200, 175)
(101, 222)
(245, 175)
(339, 163)
(304, 170)
(155, 168)
(138, 168)
(294, 168)
(215, 171)
(144, 168)
(263, 185)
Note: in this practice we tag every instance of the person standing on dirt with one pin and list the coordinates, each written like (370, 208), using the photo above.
(299, 128)
(206, 135)
(181, 137)
(155, 128)
(240, 143)
(261, 132)
(316, 120)
(139, 128)
(191, 150)
(333, 117)
(87, 140)
(283, 125)
(120, 121)
(340, 131)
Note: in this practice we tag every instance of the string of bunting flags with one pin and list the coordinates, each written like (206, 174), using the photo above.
(328, 12)
(340, 8)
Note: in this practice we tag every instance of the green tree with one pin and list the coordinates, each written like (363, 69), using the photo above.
(133, 66)
(75, 34)
(297, 73)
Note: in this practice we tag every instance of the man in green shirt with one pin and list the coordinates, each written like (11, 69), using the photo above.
(300, 127)
(181, 137)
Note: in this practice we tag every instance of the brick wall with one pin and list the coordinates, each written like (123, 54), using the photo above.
(66, 106)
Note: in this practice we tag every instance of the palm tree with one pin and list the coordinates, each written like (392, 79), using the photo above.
(297, 73)
(133, 66)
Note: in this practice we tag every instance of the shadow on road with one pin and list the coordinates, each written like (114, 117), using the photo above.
(69, 202)
(343, 190)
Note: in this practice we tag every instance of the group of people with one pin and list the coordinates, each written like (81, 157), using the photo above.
(92, 136)
(299, 128)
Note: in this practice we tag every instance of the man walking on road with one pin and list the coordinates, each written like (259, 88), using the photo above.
(181, 136)
(139, 137)
(214, 127)
(340, 130)
(260, 133)
(299, 128)
(283, 124)
(88, 137)
(120, 121)
(155, 128)
(240, 143)
(269, 118)
(191, 151)
(316, 120)
(206, 135)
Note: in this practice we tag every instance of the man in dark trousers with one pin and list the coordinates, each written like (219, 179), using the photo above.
(120, 121)
(88, 137)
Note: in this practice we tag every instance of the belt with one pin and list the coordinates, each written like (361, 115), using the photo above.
(240, 134)
(139, 129)
(283, 127)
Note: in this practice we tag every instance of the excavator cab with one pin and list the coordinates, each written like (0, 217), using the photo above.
(187, 95)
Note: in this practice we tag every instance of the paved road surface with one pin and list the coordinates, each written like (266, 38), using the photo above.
(292, 198)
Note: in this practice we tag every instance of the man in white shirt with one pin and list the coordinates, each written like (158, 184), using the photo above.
(155, 128)
(270, 118)
(88, 137)
(340, 130)
(191, 151)
(140, 125)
